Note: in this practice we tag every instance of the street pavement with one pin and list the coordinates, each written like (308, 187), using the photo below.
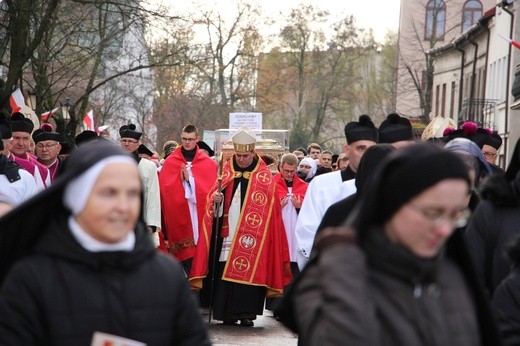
(267, 331)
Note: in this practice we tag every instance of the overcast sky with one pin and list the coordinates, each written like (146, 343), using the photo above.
(380, 15)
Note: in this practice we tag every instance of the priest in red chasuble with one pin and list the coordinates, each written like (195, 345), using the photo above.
(291, 191)
(252, 257)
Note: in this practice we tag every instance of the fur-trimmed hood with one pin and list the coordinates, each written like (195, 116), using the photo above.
(499, 191)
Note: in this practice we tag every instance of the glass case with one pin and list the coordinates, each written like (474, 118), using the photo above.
(270, 144)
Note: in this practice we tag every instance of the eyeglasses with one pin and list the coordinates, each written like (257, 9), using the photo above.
(489, 154)
(437, 216)
(188, 139)
(128, 141)
(45, 146)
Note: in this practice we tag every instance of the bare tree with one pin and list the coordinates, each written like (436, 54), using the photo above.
(218, 76)
(377, 83)
(231, 50)
(424, 27)
(299, 39)
(83, 47)
(318, 77)
(23, 26)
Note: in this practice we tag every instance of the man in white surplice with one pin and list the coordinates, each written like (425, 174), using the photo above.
(326, 189)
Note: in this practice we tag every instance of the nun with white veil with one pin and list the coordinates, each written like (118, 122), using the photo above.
(76, 263)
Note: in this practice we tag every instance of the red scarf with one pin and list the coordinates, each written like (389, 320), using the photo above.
(299, 186)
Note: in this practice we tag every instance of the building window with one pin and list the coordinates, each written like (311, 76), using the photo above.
(435, 20)
(481, 80)
(443, 100)
(503, 78)
(437, 95)
(467, 79)
(452, 99)
(471, 13)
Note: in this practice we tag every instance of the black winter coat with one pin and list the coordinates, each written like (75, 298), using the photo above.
(493, 226)
(506, 302)
(63, 293)
(506, 299)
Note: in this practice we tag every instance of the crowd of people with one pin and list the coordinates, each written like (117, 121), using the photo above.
(393, 241)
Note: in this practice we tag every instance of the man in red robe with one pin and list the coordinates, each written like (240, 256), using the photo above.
(290, 189)
(251, 253)
(184, 181)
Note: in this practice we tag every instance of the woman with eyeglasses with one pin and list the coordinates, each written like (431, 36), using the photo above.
(398, 272)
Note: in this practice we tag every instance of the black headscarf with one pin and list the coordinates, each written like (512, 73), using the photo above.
(22, 228)
(402, 175)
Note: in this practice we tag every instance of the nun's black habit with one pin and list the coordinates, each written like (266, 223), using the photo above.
(350, 269)
(53, 291)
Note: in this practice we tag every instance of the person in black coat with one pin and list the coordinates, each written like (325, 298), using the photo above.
(493, 225)
(82, 263)
(506, 300)
(397, 272)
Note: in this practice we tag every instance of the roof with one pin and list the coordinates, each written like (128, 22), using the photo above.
(480, 27)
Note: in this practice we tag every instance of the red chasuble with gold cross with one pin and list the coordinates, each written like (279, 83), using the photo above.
(259, 253)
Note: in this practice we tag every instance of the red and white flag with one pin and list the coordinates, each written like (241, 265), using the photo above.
(514, 43)
(88, 120)
(45, 116)
(16, 101)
